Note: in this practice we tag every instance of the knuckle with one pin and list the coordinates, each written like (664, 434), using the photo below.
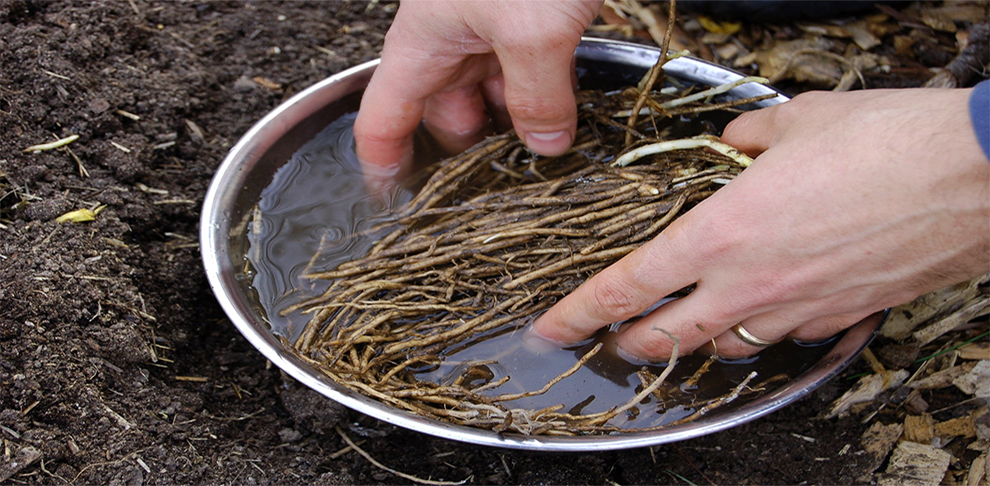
(539, 110)
(370, 130)
(728, 310)
(799, 107)
(758, 293)
(810, 97)
(366, 133)
(533, 33)
(721, 233)
(657, 345)
(834, 326)
(369, 136)
(825, 327)
(613, 300)
(736, 349)
(764, 292)
(737, 124)
(523, 37)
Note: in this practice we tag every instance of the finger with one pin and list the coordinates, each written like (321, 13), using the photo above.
(621, 291)
(691, 322)
(388, 116)
(539, 95)
(825, 327)
(493, 90)
(457, 119)
(774, 326)
(752, 132)
(768, 326)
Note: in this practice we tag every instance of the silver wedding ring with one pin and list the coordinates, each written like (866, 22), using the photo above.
(752, 340)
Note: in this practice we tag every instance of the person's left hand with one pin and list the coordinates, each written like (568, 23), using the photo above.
(445, 62)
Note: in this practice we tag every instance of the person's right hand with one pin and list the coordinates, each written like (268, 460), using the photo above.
(856, 202)
(445, 62)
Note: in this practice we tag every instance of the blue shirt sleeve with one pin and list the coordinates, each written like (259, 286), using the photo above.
(979, 113)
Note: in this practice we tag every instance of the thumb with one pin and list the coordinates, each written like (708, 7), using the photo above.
(539, 93)
(753, 131)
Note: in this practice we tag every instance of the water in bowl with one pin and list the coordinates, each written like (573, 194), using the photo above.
(317, 204)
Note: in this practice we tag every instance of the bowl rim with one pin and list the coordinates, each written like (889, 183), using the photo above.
(216, 226)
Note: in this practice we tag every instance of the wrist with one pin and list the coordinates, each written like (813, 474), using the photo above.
(979, 115)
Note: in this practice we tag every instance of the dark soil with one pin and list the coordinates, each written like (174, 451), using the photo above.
(116, 362)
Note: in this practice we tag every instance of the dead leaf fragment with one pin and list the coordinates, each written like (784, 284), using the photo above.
(919, 428)
(975, 351)
(862, 36)
(717, 27)
(981, 422)
(79, 215)
(854, 73)
(976, 381)
(867, 389)
(267, 83)
(615, 20)
(827, 30)
(195, 132)
(11, 465)
(796, 60)
(915, 403)
(727, 51)
(979, 471)
(942, 378)
(936, 21)
(914, 464)
(881, 25)
(903, 44)
(41, 147)
(973, 308)
(906, 318)
(877, 442)
(611, 14)
(957, 427)
(944, 18)
(656, 24)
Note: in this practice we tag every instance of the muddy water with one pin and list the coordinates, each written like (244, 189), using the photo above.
(607, 380)
(317, 204)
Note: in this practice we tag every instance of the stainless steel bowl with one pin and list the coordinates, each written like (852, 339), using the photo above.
(249, 168)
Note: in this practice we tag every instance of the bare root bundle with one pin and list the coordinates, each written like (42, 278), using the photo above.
(496, 236)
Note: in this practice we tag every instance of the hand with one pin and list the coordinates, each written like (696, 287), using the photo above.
(856, 202)
(445, 62)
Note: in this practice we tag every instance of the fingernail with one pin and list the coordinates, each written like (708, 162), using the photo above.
(380, 171)
(537, 343)
(548, 143)
(632, 358)
(378, 178)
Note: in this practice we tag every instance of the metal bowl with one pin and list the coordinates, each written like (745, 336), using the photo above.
(249, 168)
